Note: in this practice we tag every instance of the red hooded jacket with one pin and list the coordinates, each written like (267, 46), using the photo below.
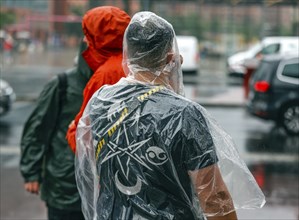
(103, 28)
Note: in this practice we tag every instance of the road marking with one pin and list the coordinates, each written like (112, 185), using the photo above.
(260, 157)
(10, 150)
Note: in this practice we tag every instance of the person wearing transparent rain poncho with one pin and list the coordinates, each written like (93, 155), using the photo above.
(146, 152)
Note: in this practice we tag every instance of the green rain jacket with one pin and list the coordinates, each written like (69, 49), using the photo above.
(45, 154)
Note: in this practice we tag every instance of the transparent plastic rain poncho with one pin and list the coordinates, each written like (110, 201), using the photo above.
(146, 152)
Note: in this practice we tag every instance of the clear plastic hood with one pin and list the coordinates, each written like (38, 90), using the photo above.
(150, 48)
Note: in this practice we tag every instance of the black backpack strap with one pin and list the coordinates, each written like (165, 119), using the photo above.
(62, 86)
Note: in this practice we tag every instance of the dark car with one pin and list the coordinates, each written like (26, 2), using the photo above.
(274, 91)
(7, 97)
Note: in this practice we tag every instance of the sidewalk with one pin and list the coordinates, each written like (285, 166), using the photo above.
(233, 97)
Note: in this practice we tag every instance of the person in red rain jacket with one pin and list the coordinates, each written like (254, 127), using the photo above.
(103, 28)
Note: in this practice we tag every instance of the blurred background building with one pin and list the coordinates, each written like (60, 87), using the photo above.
(222, 27)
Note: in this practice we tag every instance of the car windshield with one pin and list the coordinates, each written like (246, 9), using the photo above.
(255, 49)
(271, 49)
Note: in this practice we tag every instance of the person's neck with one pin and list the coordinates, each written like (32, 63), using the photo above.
(148, 77)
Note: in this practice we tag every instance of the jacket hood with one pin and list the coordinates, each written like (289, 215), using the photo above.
(103, 28)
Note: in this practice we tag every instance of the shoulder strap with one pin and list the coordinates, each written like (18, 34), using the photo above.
(62, 86)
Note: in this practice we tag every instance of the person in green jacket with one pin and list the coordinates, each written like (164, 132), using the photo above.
(47, 162)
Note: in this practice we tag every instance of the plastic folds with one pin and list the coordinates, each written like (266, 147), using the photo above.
(146, 152)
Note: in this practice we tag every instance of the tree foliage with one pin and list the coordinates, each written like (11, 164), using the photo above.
(6, 18)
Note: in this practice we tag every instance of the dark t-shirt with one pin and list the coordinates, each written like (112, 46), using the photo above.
(147, 139)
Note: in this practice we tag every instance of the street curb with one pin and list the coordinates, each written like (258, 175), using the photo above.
(26, 99)
(222, 105)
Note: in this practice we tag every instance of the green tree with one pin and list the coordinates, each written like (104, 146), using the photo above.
(187, 25)
(6, 18)
(215, 26)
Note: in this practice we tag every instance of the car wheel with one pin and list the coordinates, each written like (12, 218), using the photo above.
(289, 119)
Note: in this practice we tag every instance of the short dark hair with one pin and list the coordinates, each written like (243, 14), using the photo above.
(148, 43)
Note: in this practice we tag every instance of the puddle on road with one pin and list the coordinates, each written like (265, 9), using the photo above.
(274, 164)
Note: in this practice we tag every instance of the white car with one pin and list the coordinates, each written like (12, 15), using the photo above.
(7, 97)
(188, 48)
(269, 45)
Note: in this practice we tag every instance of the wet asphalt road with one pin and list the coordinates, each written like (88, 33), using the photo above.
(270, 153)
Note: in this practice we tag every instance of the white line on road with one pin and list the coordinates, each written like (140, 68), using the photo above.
(266, 157)
(10, 150)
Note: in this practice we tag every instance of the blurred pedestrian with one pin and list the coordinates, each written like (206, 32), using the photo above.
(8, 46)
(103, 28)
(146, 152)
(47, 162)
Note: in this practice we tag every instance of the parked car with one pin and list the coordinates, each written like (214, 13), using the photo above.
(189, 49)
(7, 97)
(274, 91)
(269, 45)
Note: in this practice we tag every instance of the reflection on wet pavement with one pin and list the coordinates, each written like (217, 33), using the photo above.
(276, 173)
(275, 141)
(11, 125)
(5, 130)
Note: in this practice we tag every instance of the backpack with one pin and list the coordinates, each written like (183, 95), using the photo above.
(62, 86)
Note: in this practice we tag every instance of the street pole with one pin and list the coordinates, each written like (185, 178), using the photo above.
(94, 3)
(127, 6)
(230, 30)
(264, 20)
(146, 5)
